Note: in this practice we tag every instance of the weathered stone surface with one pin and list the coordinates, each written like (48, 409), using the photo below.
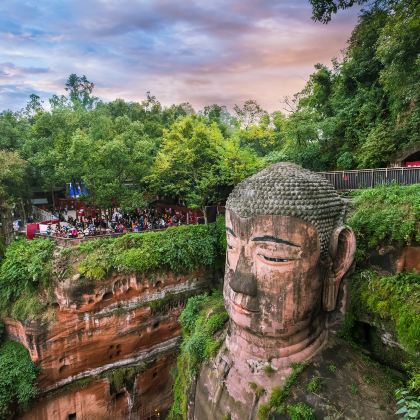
(351, 387)
(151, 395)
(288, 251)
(396, 259)
(99, 327)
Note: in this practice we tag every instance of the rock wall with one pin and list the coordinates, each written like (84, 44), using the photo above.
(150, 397)
(125, 327)
(395, 259)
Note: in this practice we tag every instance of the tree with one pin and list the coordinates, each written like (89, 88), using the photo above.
(80, 91)
(250, 113)
(221, 116)
(14, 131)
(322, 10)
(237, 163)
(186, 165)
(33, 106)
(13, 191)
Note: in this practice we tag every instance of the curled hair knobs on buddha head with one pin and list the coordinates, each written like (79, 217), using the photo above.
(288, 189)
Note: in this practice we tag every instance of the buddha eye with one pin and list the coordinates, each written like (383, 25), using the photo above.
(272, 259)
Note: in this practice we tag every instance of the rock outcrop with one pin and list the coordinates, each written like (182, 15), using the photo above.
(109, 350)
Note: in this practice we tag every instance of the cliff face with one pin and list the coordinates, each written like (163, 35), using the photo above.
(109, 350)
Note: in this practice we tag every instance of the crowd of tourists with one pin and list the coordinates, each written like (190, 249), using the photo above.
(118, 222)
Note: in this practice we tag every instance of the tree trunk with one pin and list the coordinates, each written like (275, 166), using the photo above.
(203, 209)
(53, 198)
(23, 212)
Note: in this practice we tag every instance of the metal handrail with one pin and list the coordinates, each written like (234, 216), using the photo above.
(368, 178)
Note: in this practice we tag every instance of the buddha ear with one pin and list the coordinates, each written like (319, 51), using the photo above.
(342, 250)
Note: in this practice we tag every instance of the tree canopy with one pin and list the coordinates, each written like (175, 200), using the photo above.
(355, 113)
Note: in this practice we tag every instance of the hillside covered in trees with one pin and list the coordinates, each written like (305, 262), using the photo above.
(356, 113)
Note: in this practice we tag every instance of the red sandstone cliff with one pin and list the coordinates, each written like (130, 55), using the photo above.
(109, 350)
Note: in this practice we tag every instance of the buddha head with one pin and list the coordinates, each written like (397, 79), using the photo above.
(288, 251)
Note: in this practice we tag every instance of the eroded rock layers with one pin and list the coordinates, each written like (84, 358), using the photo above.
(110, 347)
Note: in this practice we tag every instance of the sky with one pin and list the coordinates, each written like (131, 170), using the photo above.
(196, 51)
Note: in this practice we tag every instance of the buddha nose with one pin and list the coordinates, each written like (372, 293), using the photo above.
(242, 280)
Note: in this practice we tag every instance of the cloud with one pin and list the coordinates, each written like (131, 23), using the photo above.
(220, 51)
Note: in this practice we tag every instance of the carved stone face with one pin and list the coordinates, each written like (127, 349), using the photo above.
(273, 283)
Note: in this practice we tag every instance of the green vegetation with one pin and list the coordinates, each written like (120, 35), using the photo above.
(201, 320)
(13, 191)
(301, 411)
(408, 405)
(332, 367)
(276, 402)
(395, 299)
(17, 379)
(357, 112)
(124, 377)
(258, 390)
(179, 249)
(386, 214)
(25, 273)
(169, 301)
(315, 384)
(268, 370)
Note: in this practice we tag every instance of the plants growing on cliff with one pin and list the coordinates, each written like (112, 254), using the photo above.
(315, 384)
(276, 402)
(393, 298)
(300, 411)
(17, 378)
(203, 317)
(183, 248)
(25, 270)
(386, 214)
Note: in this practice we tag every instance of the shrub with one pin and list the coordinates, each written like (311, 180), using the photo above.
(25, 270)
(301, 411)
(315, 384)
(393, 298)
(202, 318)
(386, 214)
(17, 379)
(179, 249)
(408, 405)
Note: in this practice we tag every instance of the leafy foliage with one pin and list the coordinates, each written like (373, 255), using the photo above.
(178, 249)
(393, 298)
(203, 317)
(301, 411)
(25, 272)
(408, 405)
(17, 379)
(315, 384)
(386, 214)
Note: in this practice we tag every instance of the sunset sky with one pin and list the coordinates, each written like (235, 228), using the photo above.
(202, 52)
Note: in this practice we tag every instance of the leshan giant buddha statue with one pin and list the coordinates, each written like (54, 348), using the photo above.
(287, 253)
